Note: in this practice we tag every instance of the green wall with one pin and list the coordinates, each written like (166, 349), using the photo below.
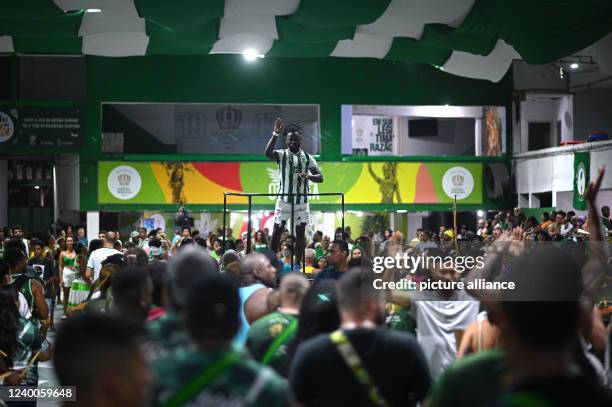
(328, 82)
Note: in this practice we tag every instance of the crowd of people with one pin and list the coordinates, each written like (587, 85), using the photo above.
(212, 321)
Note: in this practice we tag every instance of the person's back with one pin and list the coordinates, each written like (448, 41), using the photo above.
(320, 376)
(357, 365)
(212, 372)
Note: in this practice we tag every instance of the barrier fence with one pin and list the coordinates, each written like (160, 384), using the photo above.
(292, 230)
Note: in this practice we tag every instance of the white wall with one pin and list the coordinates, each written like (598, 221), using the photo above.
(3, 193)
(67, 188)
(546, 109)
(552, 170)
(592, 111)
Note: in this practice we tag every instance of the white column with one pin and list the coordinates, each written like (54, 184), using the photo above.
(478, 137)
(93, 225)
(3, 193)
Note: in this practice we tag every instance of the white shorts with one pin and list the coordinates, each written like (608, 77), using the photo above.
(69, 276)
(282, 212)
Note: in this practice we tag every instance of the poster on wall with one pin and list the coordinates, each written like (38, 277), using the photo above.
(375, 135)
(362, 183)
(492, 128)
(47, 127)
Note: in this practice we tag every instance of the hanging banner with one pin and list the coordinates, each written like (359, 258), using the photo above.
(47, 127)
(362, 183)
(375, 135)
(582, 165)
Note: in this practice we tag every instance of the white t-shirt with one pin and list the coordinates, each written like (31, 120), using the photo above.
(24, 308)
(437, 321)
(97, 257)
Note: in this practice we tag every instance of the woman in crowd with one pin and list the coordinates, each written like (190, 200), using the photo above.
(79, 290)
(356, 253)
(260, 242)
(323, 263)
(67, 270)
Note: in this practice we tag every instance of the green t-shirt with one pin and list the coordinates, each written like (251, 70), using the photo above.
(164, 336)
(268, 338)
(477, 380)
(241, 382)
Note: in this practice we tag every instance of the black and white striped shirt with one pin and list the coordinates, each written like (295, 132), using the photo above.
(289, 166)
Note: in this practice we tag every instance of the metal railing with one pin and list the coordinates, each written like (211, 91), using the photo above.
(292, 231)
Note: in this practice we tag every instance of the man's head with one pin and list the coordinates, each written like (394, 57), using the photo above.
(16, 260)
(142, 233)
(425, 235)
(101, 234)
(110, 238)
(256, 267)
(213, 311)
(38, 248)
(605, 211)
(81, 232)
(542, 312)
(310, 257)
(325, 241)
(132, 290)
(229, 256)
(293, 136)
(17, 231)
(339, 234)
(338, 252)
(286, 250)
(186, 268)
(186, 232)
(293, 286)
(358, 300)
(115, 372)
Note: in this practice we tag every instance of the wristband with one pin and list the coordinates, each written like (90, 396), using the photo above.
(274, 134)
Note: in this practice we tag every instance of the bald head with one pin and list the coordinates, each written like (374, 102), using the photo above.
(256, 268)
(293, 287)
(110, 238)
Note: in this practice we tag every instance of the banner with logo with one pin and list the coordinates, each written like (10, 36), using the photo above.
(362, 183)
(47, 127)
(582, 165)
(375, 135)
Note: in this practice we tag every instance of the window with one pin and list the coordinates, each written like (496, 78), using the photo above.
(199, 128)
(423, 130)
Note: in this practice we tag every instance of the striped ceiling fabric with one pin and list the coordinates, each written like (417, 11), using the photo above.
(470, 38)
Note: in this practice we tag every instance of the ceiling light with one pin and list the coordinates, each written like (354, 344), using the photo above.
(480, 213)
(402, 211)
(574, 65)
(36, 187)
(250, 54)
(93, 10)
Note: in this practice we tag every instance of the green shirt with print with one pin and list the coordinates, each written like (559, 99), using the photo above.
(194, 377)
(268, 339)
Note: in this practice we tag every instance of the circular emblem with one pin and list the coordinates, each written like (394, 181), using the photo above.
(7, 128)
(124, 182)
(458, 181)
(581, 181)
(275, 329)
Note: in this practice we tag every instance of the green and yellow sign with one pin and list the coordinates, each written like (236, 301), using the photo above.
(362, 183)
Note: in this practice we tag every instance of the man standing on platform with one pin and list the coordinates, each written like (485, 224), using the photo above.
(296, 168)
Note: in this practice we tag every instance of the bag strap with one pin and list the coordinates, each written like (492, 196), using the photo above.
(279, 341)
(200, 382)
(352, 359)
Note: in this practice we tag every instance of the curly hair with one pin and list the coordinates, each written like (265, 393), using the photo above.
(294, 128)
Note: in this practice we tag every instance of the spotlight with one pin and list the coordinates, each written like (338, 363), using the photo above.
(93, 10)
(251, 54)
(36, 186)
(480, 213)
(401, 211)
(574, 65)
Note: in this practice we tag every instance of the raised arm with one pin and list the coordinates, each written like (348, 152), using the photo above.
(278, 129)
(593, 270)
